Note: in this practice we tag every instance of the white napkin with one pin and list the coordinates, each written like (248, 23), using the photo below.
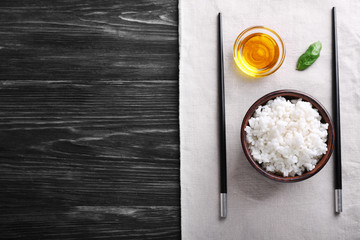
(259, 208)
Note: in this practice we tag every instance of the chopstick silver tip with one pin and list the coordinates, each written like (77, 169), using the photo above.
(338, 200)
(223, 205)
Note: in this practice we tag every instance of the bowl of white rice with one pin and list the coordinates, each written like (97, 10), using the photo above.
(287, 136)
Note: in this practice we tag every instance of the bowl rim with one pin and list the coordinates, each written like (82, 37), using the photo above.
(290, 94)
(238, 40)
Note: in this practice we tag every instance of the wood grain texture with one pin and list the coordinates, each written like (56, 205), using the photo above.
(89, 120)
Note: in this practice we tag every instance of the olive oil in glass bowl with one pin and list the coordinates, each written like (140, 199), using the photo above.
(259, 51)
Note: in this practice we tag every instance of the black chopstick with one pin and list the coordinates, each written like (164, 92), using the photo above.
(223, 182)
(336, 113)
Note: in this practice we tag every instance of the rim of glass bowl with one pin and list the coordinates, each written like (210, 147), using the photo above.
(271, 33)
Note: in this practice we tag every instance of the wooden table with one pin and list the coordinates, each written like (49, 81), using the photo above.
(89, 119)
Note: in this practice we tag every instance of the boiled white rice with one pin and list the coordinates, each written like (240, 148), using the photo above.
(287, 137)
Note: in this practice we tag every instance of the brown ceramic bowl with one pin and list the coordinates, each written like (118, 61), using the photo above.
(289, 94)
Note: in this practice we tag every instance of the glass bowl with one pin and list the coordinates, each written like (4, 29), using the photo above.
(241, 41)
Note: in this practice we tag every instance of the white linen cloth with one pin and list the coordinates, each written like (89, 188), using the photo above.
(259, 208)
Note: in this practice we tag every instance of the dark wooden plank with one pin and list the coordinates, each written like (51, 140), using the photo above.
(90, 222)
(89, 120)
(60, 40)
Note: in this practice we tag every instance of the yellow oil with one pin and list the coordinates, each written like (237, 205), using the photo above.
(258, 52)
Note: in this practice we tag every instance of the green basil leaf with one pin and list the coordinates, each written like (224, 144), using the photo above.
(310, 56)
